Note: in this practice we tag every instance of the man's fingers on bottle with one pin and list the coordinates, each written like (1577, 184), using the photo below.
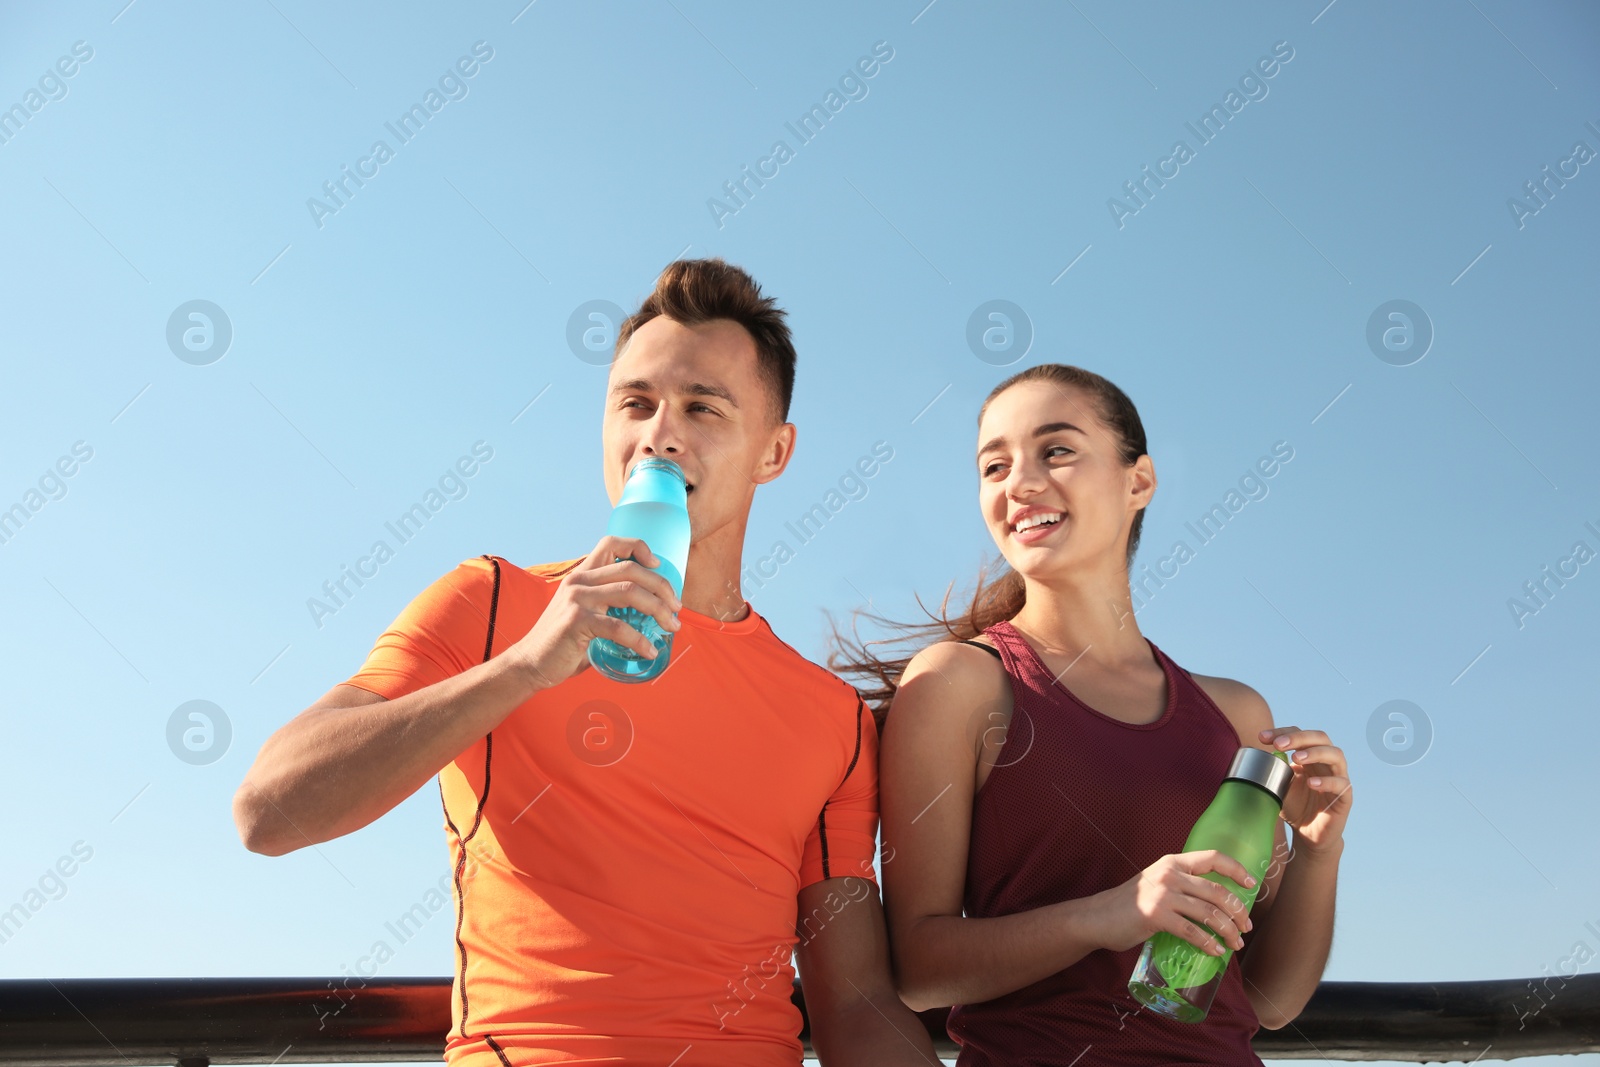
(652, 595)
(632, 572)
(605, 552)
(620, 632)
(635, 547)
(628, 593)
(655, 581)
(613, 549)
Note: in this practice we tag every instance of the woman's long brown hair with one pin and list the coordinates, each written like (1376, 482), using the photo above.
(999, 592)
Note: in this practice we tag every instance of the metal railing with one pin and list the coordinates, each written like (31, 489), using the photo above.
(194, 1022)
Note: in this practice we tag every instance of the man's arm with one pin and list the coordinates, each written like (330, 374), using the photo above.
(350, 757)
(843, 956)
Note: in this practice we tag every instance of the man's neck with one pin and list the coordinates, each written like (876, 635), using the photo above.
(711, 583)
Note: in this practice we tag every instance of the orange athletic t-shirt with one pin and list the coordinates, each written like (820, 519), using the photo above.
(627, 856)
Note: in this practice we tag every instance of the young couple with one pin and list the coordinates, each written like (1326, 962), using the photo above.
(633, 865)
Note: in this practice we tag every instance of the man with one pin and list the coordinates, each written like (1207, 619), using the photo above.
(633, 862)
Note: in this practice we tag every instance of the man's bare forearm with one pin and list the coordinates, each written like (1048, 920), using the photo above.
(333, 770)
(878, 1032)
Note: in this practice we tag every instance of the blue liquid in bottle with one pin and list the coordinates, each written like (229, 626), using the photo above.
(654, 508)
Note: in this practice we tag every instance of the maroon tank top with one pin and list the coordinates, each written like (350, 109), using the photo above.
(1076, 803)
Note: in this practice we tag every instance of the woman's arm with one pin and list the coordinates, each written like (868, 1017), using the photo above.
(1294, 912)
(1282, 971)
(1289, 948)
(948, 714)
(933, 738)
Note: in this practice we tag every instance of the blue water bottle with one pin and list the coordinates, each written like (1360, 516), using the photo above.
(655, 509)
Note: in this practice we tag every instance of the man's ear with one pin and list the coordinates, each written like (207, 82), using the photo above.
(780, 449)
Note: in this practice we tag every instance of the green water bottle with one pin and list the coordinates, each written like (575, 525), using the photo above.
(1174, 977)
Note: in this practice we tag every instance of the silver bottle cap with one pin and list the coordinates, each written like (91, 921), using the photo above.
(1263, 768)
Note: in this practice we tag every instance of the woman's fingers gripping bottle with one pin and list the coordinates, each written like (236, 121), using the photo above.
(654, 508)
(1173, 976)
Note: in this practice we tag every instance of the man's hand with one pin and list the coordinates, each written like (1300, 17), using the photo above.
(843, 956)
(558, 645)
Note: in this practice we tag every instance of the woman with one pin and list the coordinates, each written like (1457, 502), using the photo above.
(1042, 764)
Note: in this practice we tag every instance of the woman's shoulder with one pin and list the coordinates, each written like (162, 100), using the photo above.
(962, 663)
(1245, 708)
(952, 680)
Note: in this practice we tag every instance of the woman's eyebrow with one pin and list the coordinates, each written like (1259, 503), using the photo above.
(1047, 428)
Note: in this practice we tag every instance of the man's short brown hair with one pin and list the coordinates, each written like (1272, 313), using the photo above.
(693, 291)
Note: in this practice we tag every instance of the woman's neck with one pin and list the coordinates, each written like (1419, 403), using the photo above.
(1071, 617)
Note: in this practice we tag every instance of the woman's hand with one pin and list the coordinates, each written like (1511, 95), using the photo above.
(1171, 895)
(1318, 802)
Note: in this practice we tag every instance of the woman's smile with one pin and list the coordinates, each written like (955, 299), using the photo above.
(1037, 533)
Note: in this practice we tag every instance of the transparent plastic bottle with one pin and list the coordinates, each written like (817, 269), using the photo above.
(1173, 976)
(654, 508)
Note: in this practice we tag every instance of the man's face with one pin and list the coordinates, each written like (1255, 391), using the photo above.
(693, 394)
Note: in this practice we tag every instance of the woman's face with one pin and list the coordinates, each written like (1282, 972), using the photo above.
(1047, 463)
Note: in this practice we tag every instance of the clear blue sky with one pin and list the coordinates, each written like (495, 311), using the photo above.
(370, 351)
